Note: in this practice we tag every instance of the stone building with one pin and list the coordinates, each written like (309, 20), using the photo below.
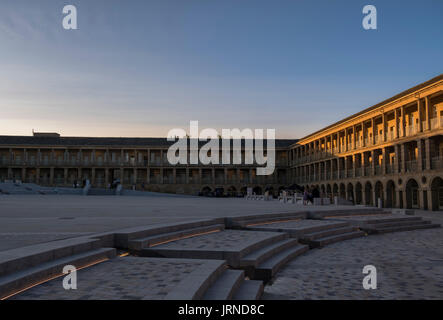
(391, 152)
(49, 159)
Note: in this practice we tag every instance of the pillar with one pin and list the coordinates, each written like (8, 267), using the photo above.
(428, 153)
(419, 156)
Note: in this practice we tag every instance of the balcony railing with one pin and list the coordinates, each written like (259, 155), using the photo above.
(411, 165)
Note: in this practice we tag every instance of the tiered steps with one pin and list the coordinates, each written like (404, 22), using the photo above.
(321, 236)
(254, 220)
(380, 226)
(231, 285)
(151, 241)
(25, 267)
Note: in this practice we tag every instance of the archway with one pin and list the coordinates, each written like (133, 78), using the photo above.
(335, 190)
(412, 197)
(350, 193)
(257, 190)
(358, 193)
(329, 191)
(391, 196)
(322, 190)
(342, 191)
(437, 194)
(243, 191)
(232, 191)
(270, 190)
(206, 191)
(378, 193)
(368, 194)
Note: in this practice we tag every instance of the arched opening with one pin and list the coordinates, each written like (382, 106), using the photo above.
(323, 190)
(270, 190)
(437, 194)
(368, 194)
(243, 191)
(257, 190)
(232, 191)
(378, 193)
(390, 193)
(350, 193)
(328, 191)
(206, 191)
(342, 191)
(412, 197)
(335, 190)
(358, 193)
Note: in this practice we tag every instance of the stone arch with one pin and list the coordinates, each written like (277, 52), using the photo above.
(378, 192)
(206, 191)
(244, 191)
(342, 190)
(335, 190)
(437, 194)
(323, 189)
(391, 195)
(368, 194)
(358, 193)
(412, 194)
(350, 192)
(257, 190)
(329, 190)
(232, 191)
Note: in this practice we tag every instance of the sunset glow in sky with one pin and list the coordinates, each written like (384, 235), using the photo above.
(141, 68)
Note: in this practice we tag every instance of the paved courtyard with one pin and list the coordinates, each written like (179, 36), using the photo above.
(409, 266)
(30, 219)
(126, 278)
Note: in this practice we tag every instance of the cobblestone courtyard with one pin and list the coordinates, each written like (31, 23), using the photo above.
(409, 266)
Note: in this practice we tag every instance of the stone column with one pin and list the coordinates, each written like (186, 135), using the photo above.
(403, 158)
(37, 178)
(134, 178)
(374, 130)
(428, 153)
(403, 124)
(23, 174)
(384, 161)
(419, 156)
(419, 107)
(51, 176)
(65, 174)
(93, 176)
(396, 124)
(106, 177)
(397, 158)
(428, 113)
(373, 161)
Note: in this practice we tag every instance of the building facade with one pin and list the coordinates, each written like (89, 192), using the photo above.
(141, 163)
(390, 153)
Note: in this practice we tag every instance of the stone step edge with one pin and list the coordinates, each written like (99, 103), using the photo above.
(249, 290)
(403, 228)
(151, 241)
(328, 232)
(225, 286)
(18, 282)
(198, 281)
(271, 266)
(27, 257)
(257, 257)
(336, 238)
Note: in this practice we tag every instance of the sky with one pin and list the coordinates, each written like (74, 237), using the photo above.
(141, 68)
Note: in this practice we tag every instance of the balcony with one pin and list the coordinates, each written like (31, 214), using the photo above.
(411, 166)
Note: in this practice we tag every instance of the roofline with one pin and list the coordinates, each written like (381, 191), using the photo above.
(396, 97)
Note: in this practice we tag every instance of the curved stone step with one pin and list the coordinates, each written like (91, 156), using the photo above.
(225, 286)
(198, 282)
(403, 228)
(257, 257)
(249, 290)
(270, 267)
(139, 244)
(18, 281)
(394, 219)
(327, 233)
(336, 238)
(399, 224)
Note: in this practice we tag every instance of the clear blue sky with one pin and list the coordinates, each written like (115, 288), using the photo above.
(141, 68)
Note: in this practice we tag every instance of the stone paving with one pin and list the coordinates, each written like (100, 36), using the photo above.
(409, 266)
(227, 240)
(77, 215)
(127, 278)
(296, 224)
